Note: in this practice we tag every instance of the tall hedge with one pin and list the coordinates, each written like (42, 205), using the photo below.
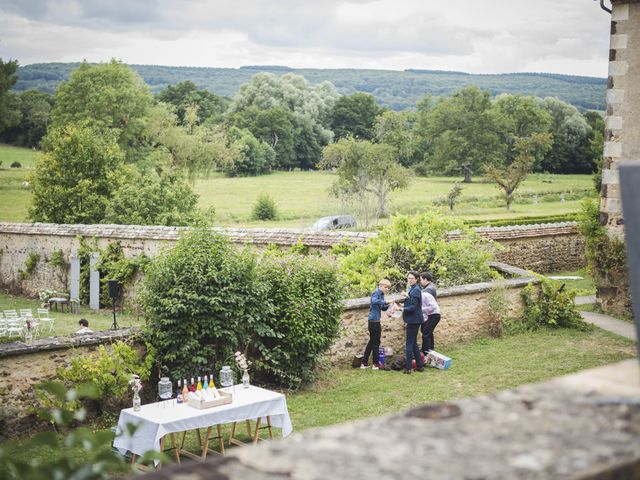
(205, 299)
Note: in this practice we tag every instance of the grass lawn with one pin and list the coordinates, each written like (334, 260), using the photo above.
(302, 197)
(67, 323)
(582, 287)
(480, 367)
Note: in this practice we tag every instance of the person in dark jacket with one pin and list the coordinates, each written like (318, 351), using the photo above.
(378, 304)
(412, 316)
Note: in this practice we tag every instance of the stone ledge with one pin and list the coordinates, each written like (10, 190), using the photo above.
(57, 343)
(574, 427)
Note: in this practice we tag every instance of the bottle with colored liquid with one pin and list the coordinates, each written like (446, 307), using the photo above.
(199, 386)
(205, 385)
(179, 392)
(185, 391)
(192, 386)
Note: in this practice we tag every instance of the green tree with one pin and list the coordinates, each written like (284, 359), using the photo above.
(107, 96)
(146, 198)
(34, 109)
(255, 157)
(394, 128)
(354, 115)
(570, 152)
(365, 168)
(182, 95)
(509, 177)
(465, 132)
(9, 101)
(76, 176)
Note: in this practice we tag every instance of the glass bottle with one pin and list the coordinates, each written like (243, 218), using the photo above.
(205, 385)
(192, 387)
(136, 402)
(245, 378)
(179, 393)
(199, 386)
(185, 391)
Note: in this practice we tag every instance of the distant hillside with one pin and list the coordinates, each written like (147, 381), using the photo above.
(398, 90)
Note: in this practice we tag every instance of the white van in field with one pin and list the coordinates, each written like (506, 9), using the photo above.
(334, 221)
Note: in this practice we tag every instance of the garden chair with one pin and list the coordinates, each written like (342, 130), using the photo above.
(10, 314)
(26, 312)
(3, 326)
(14, 327)
(45, 319)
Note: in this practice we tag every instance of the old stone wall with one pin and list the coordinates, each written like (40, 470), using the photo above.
(22, 367)
(542, 248)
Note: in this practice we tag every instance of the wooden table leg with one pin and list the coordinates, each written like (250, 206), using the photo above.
(175, 447)
(256, 435)
(162, 442)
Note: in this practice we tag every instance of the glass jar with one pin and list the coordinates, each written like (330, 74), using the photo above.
(136, 402)
(226, 377)
(245, 379)
(165, 390)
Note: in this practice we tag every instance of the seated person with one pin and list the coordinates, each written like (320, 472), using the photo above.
(84, 326)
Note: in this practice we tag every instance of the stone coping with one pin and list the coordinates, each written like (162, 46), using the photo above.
(278, 236)
(582, 426)
(57, 343)
(523, 279)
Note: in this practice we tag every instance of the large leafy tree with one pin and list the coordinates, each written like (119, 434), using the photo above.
(209, 107)
(365, 168)
(355, 115)
(395, 129)
(106, 96)
(570, 152)
(76, 175)
(34, 110)
(466, 133)
(254, 157)
(9, 101)
(300, 109)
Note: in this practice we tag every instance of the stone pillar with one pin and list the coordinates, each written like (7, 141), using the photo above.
(94, 282)
(622, 122)
(74, 278)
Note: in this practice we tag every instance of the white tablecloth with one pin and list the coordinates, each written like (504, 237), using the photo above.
(156, 420)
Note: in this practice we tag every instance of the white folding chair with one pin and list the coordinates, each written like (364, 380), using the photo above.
(43, 317)
(3, 325)
(14, 327)
(26, 312)
(10, 314)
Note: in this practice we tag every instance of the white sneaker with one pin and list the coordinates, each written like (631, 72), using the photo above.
(362, 367)
(375, 368)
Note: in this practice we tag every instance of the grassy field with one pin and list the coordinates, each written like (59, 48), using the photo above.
(302, 197)
(66, 323)
(480, 367)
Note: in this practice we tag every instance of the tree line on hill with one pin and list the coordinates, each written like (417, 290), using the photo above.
(109, 143)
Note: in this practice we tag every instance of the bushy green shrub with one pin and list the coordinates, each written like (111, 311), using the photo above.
(200, 299)
(304, 297)
(205, 299)
(110, 371)
(419, 243)
(265, 208)
(548, 306)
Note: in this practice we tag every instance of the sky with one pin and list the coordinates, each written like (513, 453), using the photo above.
(495, 36)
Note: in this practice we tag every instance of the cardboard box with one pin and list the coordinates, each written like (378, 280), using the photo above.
(437, 360)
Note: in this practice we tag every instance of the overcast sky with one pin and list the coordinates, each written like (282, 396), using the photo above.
(494, 36)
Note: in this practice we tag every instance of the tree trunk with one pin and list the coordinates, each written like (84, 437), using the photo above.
(467, 173)
(508, 198)
(382, 203)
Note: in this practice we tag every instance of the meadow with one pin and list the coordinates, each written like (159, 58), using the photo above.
(302, 197)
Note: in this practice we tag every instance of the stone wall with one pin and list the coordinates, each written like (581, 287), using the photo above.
(465, 315)
(542, 248)
(22, 367)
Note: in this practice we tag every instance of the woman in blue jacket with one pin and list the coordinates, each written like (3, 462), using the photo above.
(378, 304)
(412, 316)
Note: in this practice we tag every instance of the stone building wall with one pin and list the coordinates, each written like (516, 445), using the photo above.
(622, 135)
(542, 248)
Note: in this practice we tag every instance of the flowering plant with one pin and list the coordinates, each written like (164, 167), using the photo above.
(242, 361)
(136, 384)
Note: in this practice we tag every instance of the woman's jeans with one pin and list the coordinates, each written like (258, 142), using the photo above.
(375, 331)
(412, 346)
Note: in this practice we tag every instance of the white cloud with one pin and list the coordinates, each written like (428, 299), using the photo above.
(486, 37)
